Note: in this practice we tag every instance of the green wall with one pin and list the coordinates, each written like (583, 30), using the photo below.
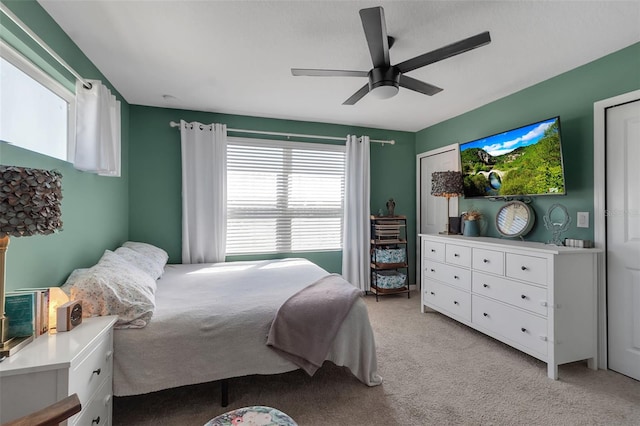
(95, 209)
(571, 96)
(155, 203)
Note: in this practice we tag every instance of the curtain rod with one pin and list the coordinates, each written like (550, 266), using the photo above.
(42, 44)
(298, 135)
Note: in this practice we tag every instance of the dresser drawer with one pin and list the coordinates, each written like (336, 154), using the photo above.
(458, 255)
(453, 275)
(488, 261)
(527, 268)
(90, 372)
(434, 251)
(97, 411)
(452, 300)
(522, 295)
(518, 326)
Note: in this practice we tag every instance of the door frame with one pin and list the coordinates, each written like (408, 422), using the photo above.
(599, 210)
(453, 147)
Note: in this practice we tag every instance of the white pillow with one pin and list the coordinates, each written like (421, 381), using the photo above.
(155, 254)
(139, 260)
(114, 287)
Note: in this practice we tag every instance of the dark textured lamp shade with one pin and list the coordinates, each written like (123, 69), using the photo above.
(29, 201)
(446, 184)
(29, 205)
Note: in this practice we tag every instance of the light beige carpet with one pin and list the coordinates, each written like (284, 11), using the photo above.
(436, 372)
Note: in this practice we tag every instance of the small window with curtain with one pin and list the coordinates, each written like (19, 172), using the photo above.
(284, 197)
(36, 112)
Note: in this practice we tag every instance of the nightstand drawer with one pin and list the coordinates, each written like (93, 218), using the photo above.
(522, 295)
(433, 250)
(527, 268)
(518, 326)
(450, 299)
(458, 255)
(453, 275)
(92, 371)
(96, 412)
(488, 261)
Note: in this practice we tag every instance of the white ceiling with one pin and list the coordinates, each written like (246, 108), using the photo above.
(235, 56)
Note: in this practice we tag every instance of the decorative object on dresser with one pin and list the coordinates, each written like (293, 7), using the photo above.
(515, 219)
(470, 223)
(446, 184)
(29, 205)
(540, 299)
(57, 365)
(389, 260)
(557, 221)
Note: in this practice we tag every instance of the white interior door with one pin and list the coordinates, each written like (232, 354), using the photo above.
(623, 237)
(433, 210)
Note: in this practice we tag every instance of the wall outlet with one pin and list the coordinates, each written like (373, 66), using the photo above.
(583, 220)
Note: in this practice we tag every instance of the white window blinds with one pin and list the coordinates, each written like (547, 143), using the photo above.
(283, 197)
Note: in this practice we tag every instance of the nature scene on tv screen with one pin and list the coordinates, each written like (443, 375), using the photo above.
(523, 161)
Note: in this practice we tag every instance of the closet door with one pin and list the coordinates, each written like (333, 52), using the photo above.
(432, 211)
(623, 238)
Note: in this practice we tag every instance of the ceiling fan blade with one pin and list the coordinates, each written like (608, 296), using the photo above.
(445, 52)
(327, 73)
(418, 86)
(357, 96)
(375, 30)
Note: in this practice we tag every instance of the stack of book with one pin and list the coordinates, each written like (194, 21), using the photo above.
(28, 312)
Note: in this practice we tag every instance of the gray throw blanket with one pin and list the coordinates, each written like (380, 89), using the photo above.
(307, 323)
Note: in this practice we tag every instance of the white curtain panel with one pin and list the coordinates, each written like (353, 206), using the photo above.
(356, 229)
(97, 145)
(204, 192)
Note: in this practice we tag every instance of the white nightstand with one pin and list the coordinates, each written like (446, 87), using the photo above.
(57, 365)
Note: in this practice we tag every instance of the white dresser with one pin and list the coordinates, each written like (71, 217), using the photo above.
(538, 298)
(60, 364)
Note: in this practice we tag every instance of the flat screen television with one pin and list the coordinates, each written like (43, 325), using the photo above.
(523, 161)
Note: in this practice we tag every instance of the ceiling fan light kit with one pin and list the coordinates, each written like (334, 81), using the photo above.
(385, 79)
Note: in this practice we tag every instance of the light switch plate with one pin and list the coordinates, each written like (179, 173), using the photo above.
(583, 220)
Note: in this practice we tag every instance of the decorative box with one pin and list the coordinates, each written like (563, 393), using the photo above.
(389, 256)
(389, 279)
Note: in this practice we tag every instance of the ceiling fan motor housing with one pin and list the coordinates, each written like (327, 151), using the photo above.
(389, 76)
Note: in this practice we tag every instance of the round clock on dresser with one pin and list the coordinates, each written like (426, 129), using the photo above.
(515, 219)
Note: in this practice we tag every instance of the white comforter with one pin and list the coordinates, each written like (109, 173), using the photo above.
(212, 320)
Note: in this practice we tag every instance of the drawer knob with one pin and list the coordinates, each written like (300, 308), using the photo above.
(456, 255)
(485, 260)
(97, 371)
(524, 330)
(456, 277)
(485, 285)
(433, 270)
(433, 251)
(96, 420)
(432, 293)
(523, 296)
(455, 302)
(485, 314)
(524, 268)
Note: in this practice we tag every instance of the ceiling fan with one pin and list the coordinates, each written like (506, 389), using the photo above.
(384, 78)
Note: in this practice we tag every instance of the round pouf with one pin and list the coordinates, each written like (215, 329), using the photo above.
(253, 416)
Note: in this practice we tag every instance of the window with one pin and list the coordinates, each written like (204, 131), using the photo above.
(36, 112)
(284, 197)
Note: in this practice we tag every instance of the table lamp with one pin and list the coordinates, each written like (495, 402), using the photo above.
(29, 205)
(446, 184)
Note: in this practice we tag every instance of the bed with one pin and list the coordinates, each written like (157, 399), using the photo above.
(210, 322)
